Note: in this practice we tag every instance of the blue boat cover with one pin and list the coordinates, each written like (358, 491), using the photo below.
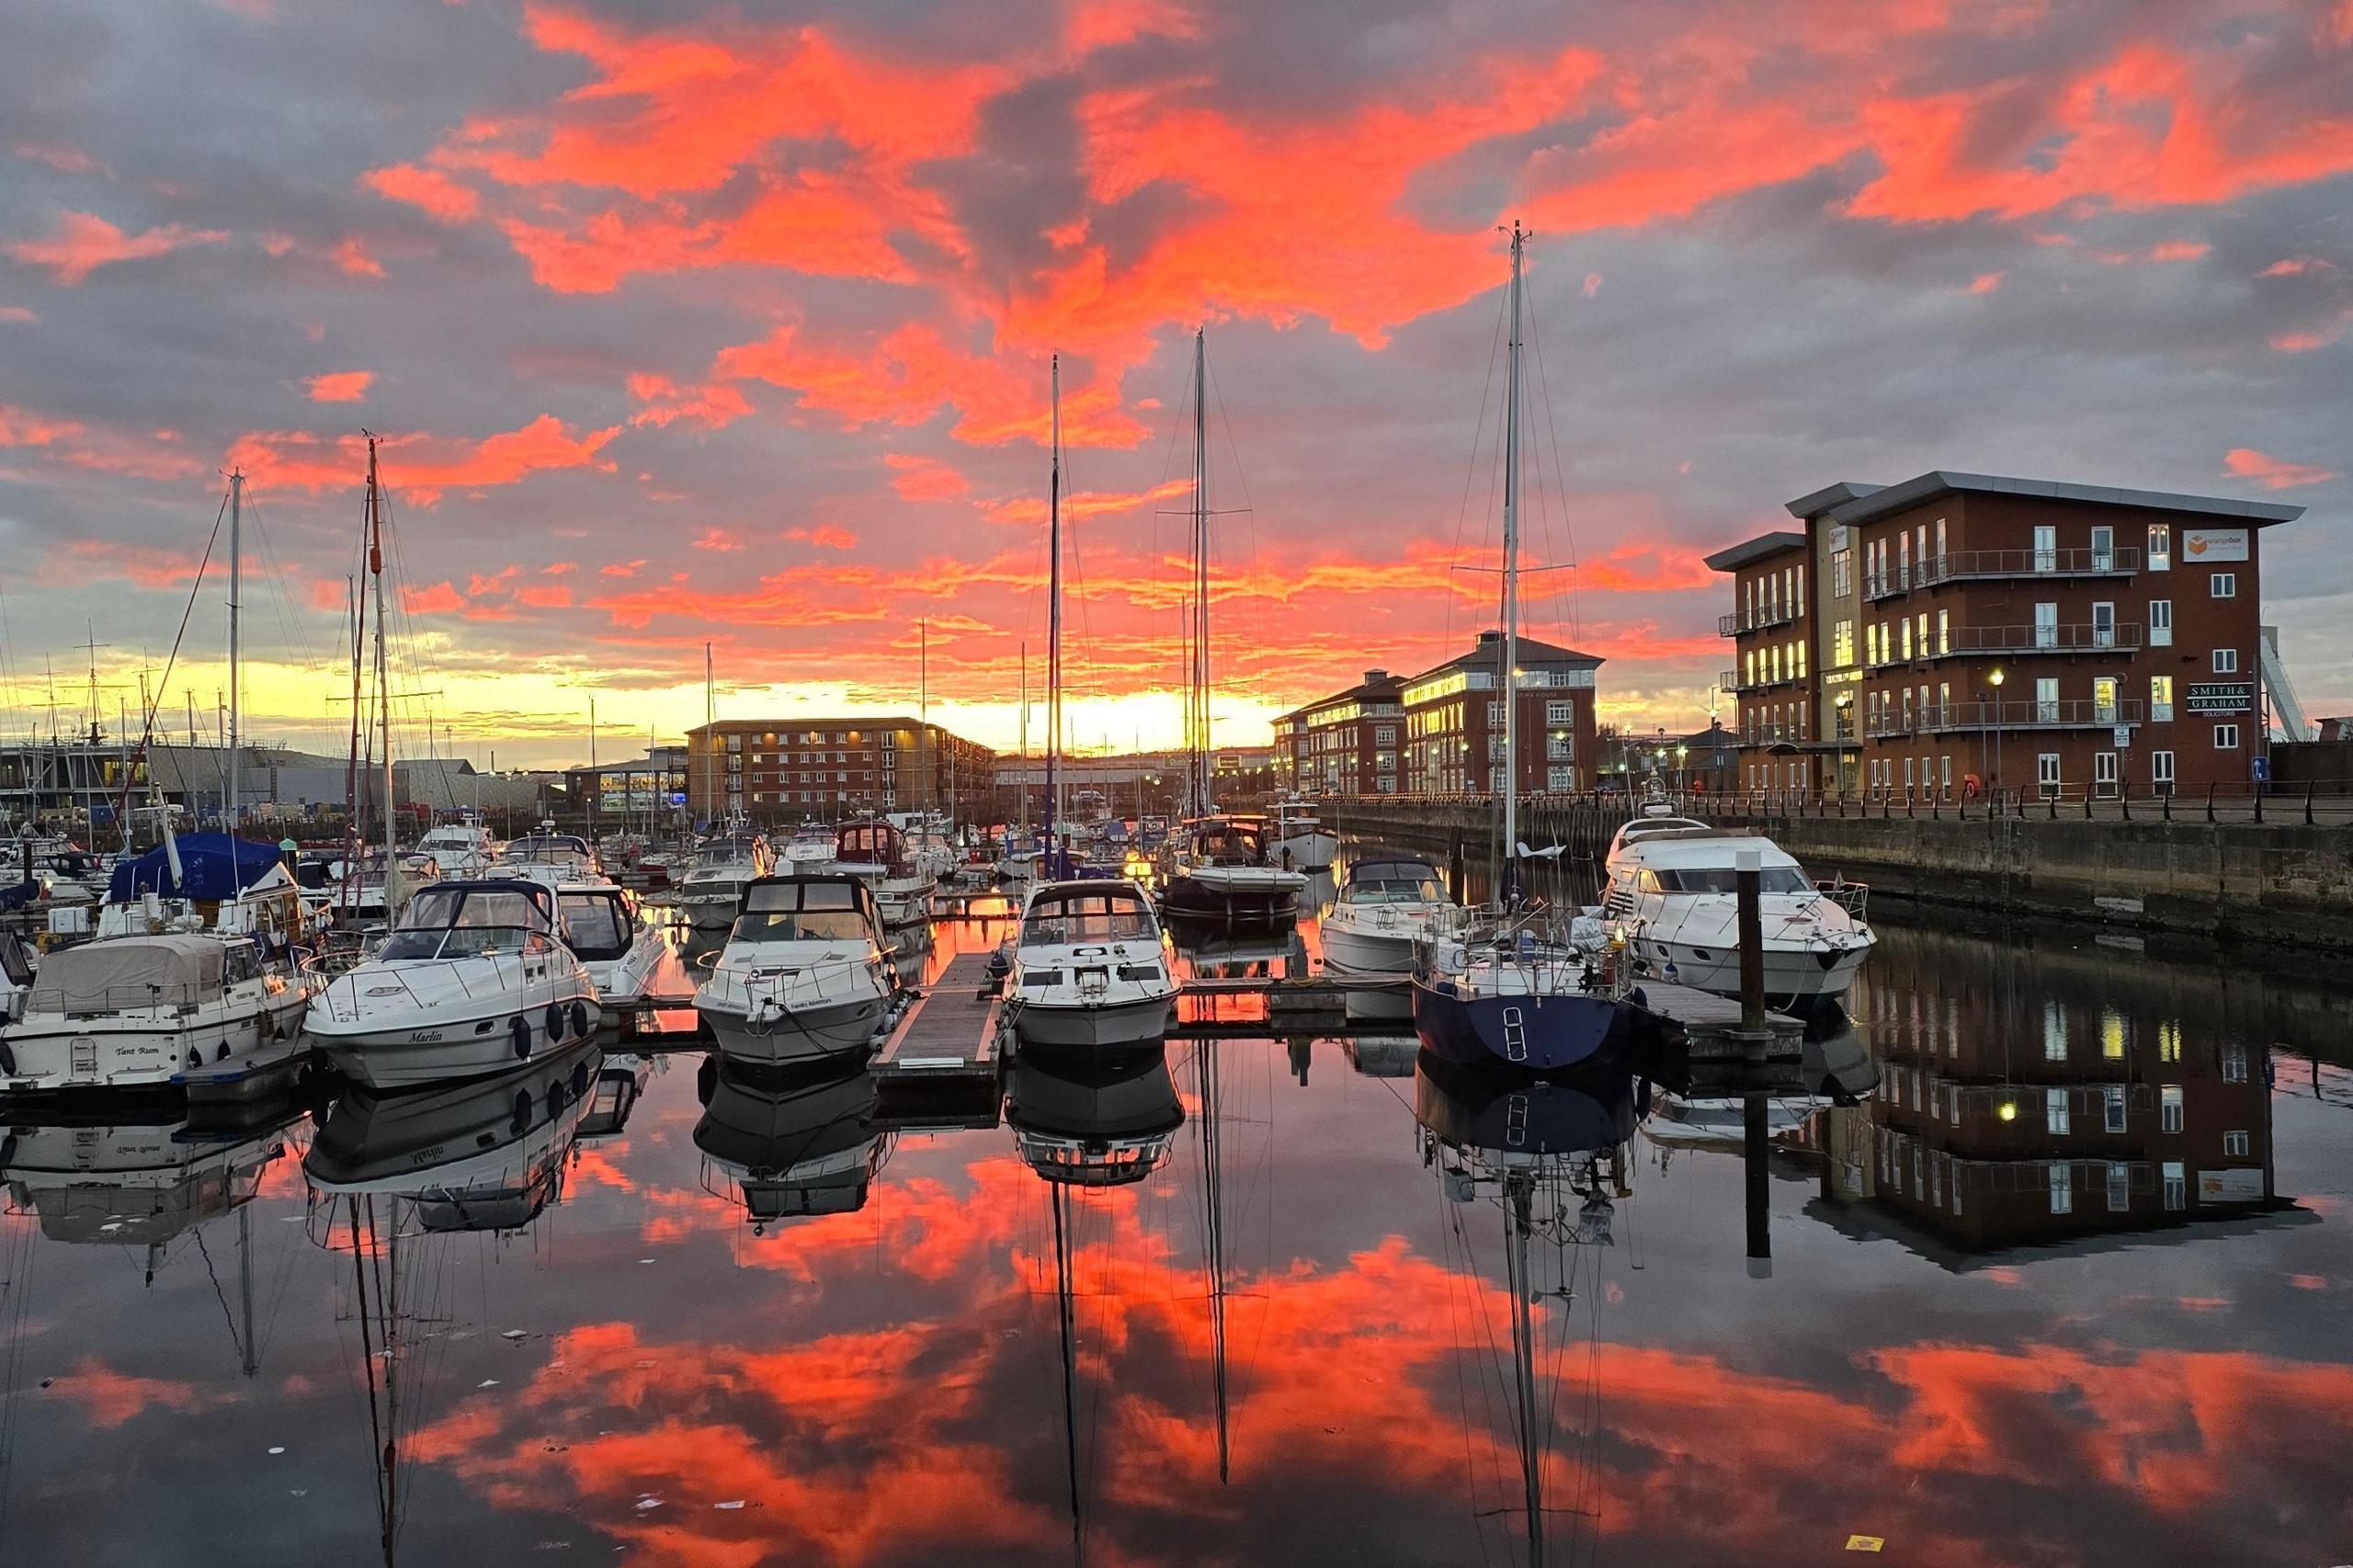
(213, 865)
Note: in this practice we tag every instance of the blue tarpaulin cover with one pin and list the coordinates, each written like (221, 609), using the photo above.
(212, 865)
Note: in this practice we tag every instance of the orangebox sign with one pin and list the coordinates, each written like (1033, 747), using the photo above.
(2214, 544)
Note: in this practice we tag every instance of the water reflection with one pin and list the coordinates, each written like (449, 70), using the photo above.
(789, 1145)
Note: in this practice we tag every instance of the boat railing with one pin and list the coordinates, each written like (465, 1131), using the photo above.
(1852, 897)
(74, 1002)
(535, 944)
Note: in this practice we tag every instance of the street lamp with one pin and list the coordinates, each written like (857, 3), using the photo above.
(1994, 680)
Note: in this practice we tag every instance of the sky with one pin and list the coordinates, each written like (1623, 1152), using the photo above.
(730, 327)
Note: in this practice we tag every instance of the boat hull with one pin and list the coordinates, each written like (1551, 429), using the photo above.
(1307, 851)
(47, 1054)
(458, 1047)
(1791, 974)
(1550, 1033)
(1347, 950)
(1205, 902)
(828, 1031)
(1139, 1021)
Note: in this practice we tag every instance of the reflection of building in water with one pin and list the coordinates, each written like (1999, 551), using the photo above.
(2033, 1110)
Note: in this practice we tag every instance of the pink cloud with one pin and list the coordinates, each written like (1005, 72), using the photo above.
(81, 243)
(2273, 473)
(1987, 282)
(340, 386)
(718, 540)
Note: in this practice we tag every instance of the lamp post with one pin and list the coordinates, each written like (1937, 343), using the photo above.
(1995, 717)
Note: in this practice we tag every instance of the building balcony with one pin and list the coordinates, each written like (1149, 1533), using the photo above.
(1741, 622)
(1973, 565)
(2024, 640)
(1730, 680)
(2065, 713)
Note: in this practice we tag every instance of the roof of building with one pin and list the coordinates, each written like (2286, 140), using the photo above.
(1376, 685)
(1748, 551)
(1488, 649)
(1831, 495)
(1871, 504)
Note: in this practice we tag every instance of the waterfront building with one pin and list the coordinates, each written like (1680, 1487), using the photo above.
(1454, 722)
(649, 789)
(1346, 744)
(781, 771)
(1960, 633)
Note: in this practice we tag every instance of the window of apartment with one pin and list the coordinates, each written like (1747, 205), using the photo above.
(2104, 694)
(2161, 772)
(1386, 734)
(2224, 585)
(1559, 711)
(2054, 1111)
(2160, 547)
(2046, 626)
(1495, 714)
(1559, 777)
(1797, 602)
(1907, 776)
(2169, 1108)
(1945, 783)
(2103, 776)
(2103, 549)
(1842, 645)
(2235, 1143)
(2103, 626)
(1905, 625)
(2046, 548)
(2046, 772)
(2046, 698)
(2160, 623)
(1842, 573)
(2176, 1186)
(2226, 737)
(2160, 699)
(2113, 1108)
(2062, 1187)
(2234, 1063)
(2054, 1032)
(1944, 631)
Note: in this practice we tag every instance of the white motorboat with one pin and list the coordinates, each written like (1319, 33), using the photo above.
(141, 1011)
(802, 976)
(1090, 967)
(460, 849)
(1301, 841)
(475, 980)
(15, 978)
(875, 852)
(600, 924)
(810, 848)
(1215, 870)
(354, 895)
(713, 889)
(1387, 904)
(1673, 899)
(550, 857)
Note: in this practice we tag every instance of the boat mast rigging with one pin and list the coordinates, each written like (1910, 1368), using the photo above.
(1507, 677)
(1054, 614)
(1198, 739)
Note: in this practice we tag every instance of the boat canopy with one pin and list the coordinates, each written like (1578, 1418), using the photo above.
(1405, 880)
(214, 868)
(869, 842)
(1087, 912)
(828, 908)
(561, 848)
(129, 972)
(511, 902)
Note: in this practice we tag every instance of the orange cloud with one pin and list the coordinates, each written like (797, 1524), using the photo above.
(110, 1399)
(340, 386)
(429, 190)
(1987, 282)
(423, 467)
(918, 478)
(81, 243)
(714, 408)
(2295, 266)
(718, 538)
(1086, 503)
(22, 428)
(2273, 473)
(825, 536)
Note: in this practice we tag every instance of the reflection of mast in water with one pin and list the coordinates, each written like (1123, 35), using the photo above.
(1530, 1146)
(1208, 1093)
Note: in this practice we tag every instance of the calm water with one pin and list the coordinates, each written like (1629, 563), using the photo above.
(1291, 1338)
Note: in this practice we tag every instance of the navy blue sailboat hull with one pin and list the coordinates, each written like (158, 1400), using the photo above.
(1536, 1034)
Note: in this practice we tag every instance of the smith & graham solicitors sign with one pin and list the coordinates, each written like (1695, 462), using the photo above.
(2220, 696)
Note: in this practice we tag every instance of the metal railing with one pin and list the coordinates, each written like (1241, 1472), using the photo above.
(2299, 804)
(2075, 637)
(73, 1002)
(1962, 565)
(1757, 620)
(1734, 681)
(2061, 713)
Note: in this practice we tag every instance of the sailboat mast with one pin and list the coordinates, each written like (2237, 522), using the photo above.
(1520, 1192)
(1054, 614)
(236, 590)
(925, 789)
(384, 678)
(711, 736)
(1024, 774)
(1200, 740)
(1508, 676)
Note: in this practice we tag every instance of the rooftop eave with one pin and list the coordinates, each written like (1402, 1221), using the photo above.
(1940, 482)
(1748, 551)
(1831, 495)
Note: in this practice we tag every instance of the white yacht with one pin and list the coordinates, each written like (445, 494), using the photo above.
(475, 980)
(1216, 870)
(550, 857)
(810, 847)
(724, 865)
(16, 978)
(600, 924)
(1672, 898)
(875, 852)
(460, 849)
(1090, 967)
(1301, 841)
(802, 976)
(1387, 904)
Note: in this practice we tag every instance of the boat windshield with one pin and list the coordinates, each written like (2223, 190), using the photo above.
(785, 911)
(1231, 841)
(1394, 884)
(725, 852)
(1085, 917)
(560, 849)
(467, 921)
(598, 926)
(1722, 878)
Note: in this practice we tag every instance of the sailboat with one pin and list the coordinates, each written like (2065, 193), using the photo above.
(1500, 986)
(1216, 869)
(192, 981)
(1550, 1159)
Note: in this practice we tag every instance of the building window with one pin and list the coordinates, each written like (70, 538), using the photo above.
(2224, 584)
(2160, 555)
(2046, 548)
(1560, 778)
(1842, 573)
(2119, 1186)
(2054, 1111)
(2062, 1187)
(2161, 772)
(2236, 1143)
(2169, 1108)
(2160, 699)
(2177, 1188)
(2103, 549)
(1559, 711)
(2234, 1063)
(2046, 773)
(2226, 737)
(2226, 661)
(2054, 1032)
(2114, 1108)
(2160, 623)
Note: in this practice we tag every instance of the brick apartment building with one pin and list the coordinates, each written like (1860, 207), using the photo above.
(780, 770)
(1960, 633)
(1454, 725)
(1345, 744)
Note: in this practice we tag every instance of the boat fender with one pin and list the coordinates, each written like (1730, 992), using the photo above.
(521, 1030)
(1639, 997)
(222, 1055)
(555, 1022)
(522, 1119)
(195, 1059)
(579, 1018)
(8, 1066)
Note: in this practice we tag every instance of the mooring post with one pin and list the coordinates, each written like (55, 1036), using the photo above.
(1749, 869)
(1753, 1157)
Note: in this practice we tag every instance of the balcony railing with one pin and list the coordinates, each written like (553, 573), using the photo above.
(2061, 713)
(1758, 620)
(2074, 638)
(1731, 680)
(1961, 565)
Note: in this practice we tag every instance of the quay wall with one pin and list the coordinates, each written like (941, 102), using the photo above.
(2277, 883)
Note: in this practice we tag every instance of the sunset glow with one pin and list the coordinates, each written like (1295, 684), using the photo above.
(730, 325)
